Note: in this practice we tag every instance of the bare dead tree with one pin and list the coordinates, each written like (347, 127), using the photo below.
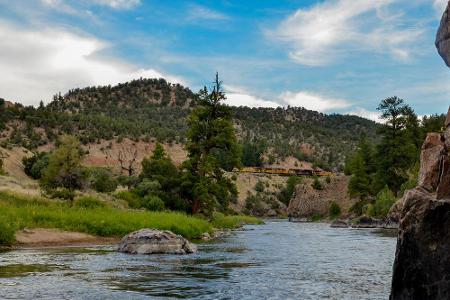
(127, 158)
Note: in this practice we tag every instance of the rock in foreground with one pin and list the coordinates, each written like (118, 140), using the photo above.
(152, 241)
(443, 37)
(422, 259)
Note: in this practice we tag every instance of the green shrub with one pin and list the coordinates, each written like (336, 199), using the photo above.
(259, 187)
(60, 193)
(133, 200)
(317, 185)
(7, 233)
(328, 179)
(147, 187)
(335, 210)
(383, 202)
(88, 202)
(103, 181)
(286, 193)
(152, 203)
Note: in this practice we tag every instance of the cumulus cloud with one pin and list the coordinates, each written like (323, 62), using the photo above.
(313, 101)
(324, 32)
(237, 96)
(364, 113)
(240, 97)
(439, 6)
(37, 64)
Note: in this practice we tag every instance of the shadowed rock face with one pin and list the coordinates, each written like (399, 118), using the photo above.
(443, 37)
(422, 259)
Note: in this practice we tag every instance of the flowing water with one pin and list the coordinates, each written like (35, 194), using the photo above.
(278, 260)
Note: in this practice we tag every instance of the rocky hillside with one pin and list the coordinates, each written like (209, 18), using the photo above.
(309, 201)
(153, 109)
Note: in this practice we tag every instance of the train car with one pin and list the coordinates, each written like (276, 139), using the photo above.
(286, 172)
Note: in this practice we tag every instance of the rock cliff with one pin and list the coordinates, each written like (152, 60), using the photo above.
(422, 259)
(308, 202)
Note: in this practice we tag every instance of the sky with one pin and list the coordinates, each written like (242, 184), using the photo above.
(333, 56)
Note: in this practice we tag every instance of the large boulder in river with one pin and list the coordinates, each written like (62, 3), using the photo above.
(152, 241)
(443, 37)
(422, 259)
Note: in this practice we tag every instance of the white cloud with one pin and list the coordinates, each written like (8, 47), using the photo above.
(239, 97)
(37, 64)
(320, 34)
(364, 113)
(119, 4)
(313, 101)
(439, 6)
(197, 12)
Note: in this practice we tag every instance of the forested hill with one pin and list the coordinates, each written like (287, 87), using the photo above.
(149, 109)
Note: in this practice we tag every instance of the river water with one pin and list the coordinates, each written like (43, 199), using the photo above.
(278, 260)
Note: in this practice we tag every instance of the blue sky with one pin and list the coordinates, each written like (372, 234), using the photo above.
(339, 56)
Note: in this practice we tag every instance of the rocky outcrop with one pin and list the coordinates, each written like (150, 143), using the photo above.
(422, 260)
(443, 37)
(308, 202)
(151, 241)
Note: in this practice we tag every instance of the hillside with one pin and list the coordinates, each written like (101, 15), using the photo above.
(153, 109)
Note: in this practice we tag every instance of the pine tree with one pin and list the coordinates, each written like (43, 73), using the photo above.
(211, 132)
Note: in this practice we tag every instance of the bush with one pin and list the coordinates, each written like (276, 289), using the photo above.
(286, 193)
(152, 203)
(328, 179)
(335, 210)
(103, 181)
(7, 233)
(383, 202)
(259, 187)
(133, 200)
(147, 187)
(36, 164)
(88, 202)
(60, 193)
(317, 185)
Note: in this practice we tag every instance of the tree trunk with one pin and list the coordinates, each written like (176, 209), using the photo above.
(195, 206)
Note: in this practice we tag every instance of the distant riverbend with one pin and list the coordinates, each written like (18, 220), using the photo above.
(275, 260)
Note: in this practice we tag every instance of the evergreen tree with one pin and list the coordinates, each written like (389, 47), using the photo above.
(159, 168)
(211, 131)
(399, 146)
(64, 168)
(359, 185)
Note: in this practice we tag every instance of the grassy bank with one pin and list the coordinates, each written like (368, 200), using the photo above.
(20, 211)
(230, 222)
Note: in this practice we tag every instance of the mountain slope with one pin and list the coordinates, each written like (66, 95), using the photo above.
(153, 109)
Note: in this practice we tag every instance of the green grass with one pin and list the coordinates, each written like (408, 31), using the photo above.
(231, 222)
(18, 211)
(94, 217)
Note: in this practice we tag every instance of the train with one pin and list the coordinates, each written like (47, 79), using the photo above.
(286, 172)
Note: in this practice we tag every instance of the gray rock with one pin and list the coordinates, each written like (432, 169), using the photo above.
(152, 241)
(422, 259)
(443, 37)
(339, 224)
(430, 161)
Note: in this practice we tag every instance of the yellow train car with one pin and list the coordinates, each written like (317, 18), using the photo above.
(286, 172)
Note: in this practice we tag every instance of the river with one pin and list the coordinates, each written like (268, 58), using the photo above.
(278, 260)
